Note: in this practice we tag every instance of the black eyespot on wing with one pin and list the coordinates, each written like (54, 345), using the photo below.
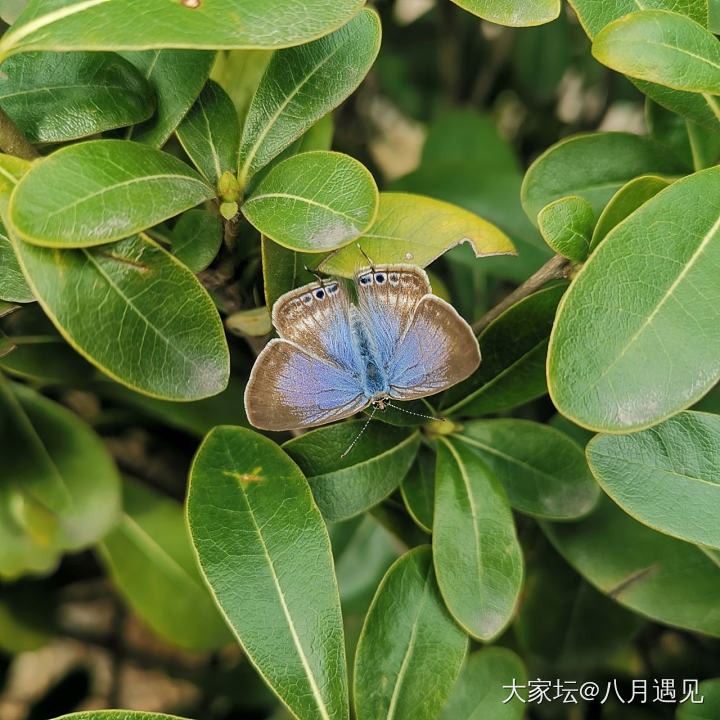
(379, 278)
(320, 294)
(306, 298)
(393, 278)
(365, 279)
(331, 289)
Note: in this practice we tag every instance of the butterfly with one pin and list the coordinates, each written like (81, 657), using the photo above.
(339, 352)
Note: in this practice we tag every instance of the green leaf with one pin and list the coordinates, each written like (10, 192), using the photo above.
(418, 489)
(567, 225)
(49, 502)
(410, 650)
(53, 97)
(662, 47)
(13, 287)
(102, 25)
(28, 616)
(265, 552)
(625, 352)
(284, 269)
(345, 486)
(118, 715)
(667, 477)
(479, 693)
(665, 579)
(417, 229)
(543, 472)
(11, 170)
(177, 77)
(477, 556)
(95, 192)
(196, 238)
(595, 16)
(151, 560)
(593, 166)
(564, 621)
(315, 201)
(513, 348)
(624, 202)
(515, 13)
(302, 84)
(210, 133)
(126, 308)
(709, 690)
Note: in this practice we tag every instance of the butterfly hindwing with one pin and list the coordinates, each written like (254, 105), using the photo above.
(438, 350)
(290, 388)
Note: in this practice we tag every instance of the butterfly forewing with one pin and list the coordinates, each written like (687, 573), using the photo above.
(290, 388)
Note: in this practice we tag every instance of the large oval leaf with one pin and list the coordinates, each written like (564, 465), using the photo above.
(667, 477)
(61, 96)
(479, 693)
(49, 501)
(314, 201)
(302, 84)
(513, 348)
(592, 166)
(516, 13)
(637, 335)
(136, 313)
(663, 47)
(265, 552)
(345, 486)
(477, 556)
(543, 472)
(410, 649)
(100, 192)
(418, 229)
(13, 286)
(151, 560)
(103, 24)
(665, 579)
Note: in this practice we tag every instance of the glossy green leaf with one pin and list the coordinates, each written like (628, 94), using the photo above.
(54, 97)
(109, 24)
(479, 693)
(195, 239)
(567, 225)
(304, 83)
(594, 167)
(667, 477)
(637, 335)
(210, 133)
(477, 556)
(513, 348)
(625, 201)
(665, 579)
(543, 472)
(151, 561)
(118, 715)
(284, 269)
(410, 650)
(709, 690)
(564, 621)
(663, 47)
(13, 287)
(100, 193)
(177, 77)
(595, 16)
(315, 201)
(345, 486)
(417, 229)
(265, 552)
(515, 13)
(135, 312)
(418, 489)
(11, 170)
(49, 502)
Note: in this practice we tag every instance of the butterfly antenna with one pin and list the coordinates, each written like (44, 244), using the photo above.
(410, 412)
(367, 257)
(317, 275)
(357, 437)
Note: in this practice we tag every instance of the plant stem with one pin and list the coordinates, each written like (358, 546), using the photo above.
(554, 269)
(12, 141)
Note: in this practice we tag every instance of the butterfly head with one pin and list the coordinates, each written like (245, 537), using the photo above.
(380, 403)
